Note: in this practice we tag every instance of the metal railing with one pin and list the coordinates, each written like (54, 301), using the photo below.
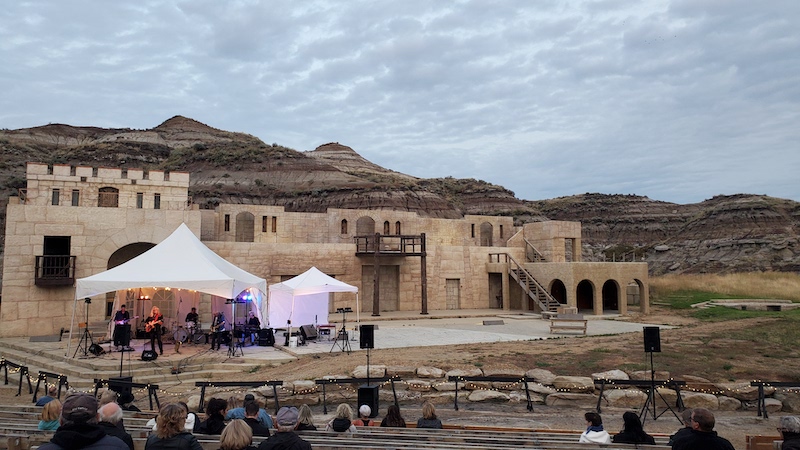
(55, 270)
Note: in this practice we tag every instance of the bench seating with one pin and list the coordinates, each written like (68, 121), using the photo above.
(568, 323)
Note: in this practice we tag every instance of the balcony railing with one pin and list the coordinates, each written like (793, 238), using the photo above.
(55, 270)
(400, 245)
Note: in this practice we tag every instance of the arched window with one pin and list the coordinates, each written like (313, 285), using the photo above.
(108, 197)
(344, 226)
(386, 227)
(245, 223)
(397, 228)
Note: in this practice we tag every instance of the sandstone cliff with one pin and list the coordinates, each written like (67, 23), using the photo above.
(733, 233)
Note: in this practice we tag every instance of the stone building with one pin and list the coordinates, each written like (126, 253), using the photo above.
(73, 222)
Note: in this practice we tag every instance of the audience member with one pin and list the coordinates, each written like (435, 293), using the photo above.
(107, 396)
(632, 431)
(215, 417)
(237, 435)
(703, 436)
(790, 431)
(251, 418)
(305, 420)
(429, 419)
(110, 416)
(170, 433)
(51, 413)
(393, 418)
(686, 418)
(191, 418)
(343, 420)
(363, 417)
(594, 430)
(79, 429)
(52, 393)
(238, 413)
(285, 438)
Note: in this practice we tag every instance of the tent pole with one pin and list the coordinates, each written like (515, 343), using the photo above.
(72, 325)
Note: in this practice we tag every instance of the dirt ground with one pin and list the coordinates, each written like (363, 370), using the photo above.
(706, 349)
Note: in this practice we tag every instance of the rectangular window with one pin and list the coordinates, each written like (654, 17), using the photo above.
(56, 195)
(76, 197)
(227, 222)
(157, 201)
(139, 200)
(263, 224)
(501, 231)
(472, 229)
(274, 224)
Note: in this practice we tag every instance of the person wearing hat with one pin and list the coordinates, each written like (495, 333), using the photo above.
(79, 428)
(52, 393)
(239, 413)
(285, 438)
(363, 417)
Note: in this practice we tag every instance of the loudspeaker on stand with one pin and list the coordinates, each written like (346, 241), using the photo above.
(652, 339)
(367, 336)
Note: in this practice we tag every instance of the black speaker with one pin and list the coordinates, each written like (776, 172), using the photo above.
(368, 395)
(266, 338)
(308, 332)
(149, 355)
(96, 350)
(367, 336)
(652, 339)
(114, 385)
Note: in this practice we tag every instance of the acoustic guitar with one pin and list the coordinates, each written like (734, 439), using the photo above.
(149, 326)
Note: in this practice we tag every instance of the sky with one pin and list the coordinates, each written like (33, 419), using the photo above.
(676, 100)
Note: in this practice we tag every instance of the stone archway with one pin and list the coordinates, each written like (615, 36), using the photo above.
(245, 227)
(486, 234)
(585, 296)
(127, 253)
(365, 226)
(558, 291)
(610, 294)
(634, 294)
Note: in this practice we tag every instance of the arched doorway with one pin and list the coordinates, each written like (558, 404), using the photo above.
(610, 294)
(559, 291)
(245, 231)
(633, 294)
(585, 295)
(486, 234)
(127, 253)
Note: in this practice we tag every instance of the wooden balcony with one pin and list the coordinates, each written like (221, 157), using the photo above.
(390, 245)
(55, 270)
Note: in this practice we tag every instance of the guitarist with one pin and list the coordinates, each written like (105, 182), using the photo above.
(122, 328)
(153, 325)
(218, 327)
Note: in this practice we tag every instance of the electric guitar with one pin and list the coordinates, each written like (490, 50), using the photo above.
(215, 328)
(149, 326)
(125, 321)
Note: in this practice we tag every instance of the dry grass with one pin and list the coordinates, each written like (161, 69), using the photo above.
(772, 285)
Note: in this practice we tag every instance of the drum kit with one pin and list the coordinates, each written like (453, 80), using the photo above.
(189, 334)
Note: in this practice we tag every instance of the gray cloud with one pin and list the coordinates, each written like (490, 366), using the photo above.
(679, 100)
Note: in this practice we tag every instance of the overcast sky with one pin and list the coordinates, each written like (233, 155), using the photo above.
(676, 100)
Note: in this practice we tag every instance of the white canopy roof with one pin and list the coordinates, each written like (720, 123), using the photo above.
(304, 298)
(180, 261)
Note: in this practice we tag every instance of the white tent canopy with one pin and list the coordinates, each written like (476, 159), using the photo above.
(180, 261)
(303, 300)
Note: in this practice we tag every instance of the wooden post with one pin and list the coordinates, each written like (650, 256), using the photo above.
(423, 273)
(376, 278)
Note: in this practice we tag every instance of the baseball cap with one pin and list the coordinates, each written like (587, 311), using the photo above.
(79, 407)
(249, 397)
(287, 415)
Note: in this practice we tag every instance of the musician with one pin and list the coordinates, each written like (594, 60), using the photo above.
(218, 330)
(253, 325)
(193, 317)
(153, 325)
(122, 328)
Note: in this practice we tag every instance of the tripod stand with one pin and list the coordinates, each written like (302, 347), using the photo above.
(86, 338)
(651, 398)
(341, 337)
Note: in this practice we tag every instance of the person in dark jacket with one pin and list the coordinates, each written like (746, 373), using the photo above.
(632, 431)
(703, 436)
(343, 422)
(686, 417)
(251, 418)
(285, 438)
(215, 418)
(790, 431)
(79, 429)
(429, 419)
(170, 433)
(393, 418)
(110, 416)
(305, 420)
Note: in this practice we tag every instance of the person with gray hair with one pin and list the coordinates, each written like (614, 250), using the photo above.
(790, 431)
(79, 428)
(686, 418)
(285, 438)
(110, 416)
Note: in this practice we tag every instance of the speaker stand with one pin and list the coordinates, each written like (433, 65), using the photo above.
(651, 398)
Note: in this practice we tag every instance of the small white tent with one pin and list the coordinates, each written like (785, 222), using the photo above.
(303, 300)
(179, 261)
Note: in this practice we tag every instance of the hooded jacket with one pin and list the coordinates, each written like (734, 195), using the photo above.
(77, 436)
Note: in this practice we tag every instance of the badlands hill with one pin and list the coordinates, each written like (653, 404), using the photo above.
(722, 234)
